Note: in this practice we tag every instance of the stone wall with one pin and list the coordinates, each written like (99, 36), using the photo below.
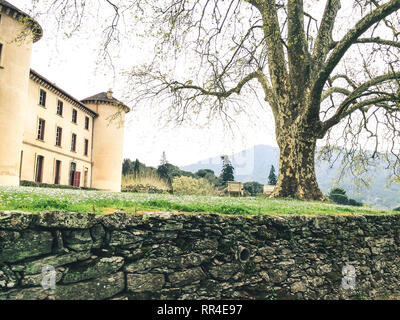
(166, 256)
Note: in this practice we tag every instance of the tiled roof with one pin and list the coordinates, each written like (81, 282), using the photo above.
(36, 76)
(103, 97)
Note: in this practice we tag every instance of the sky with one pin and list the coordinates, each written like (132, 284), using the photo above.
(73, 64)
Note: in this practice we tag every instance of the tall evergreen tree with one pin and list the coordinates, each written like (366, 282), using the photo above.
(136, 168)
(272, 177)
(163, 168)
(227, 170)
(126, 166)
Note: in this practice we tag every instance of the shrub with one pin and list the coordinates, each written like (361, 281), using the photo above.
(397, 209)
(339, 198)
(338, 191)
(355, 203)
(148, 182)
(254, 188)
(191, 186)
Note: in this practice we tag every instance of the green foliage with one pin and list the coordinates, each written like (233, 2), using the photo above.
(338, 195)
(191, 186)
(355, 203)
(272, 177)
(338, 191)
(339, 198)
(209, 175)
(227, 171)
(396, 209)
(254, 188)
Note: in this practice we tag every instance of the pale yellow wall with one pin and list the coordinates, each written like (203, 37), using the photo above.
(47, 148)
(30, 154)
(14, 78)
(108, 144)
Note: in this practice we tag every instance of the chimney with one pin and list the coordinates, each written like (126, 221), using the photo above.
(109, 94)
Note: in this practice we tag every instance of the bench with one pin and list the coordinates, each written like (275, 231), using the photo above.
(268, 189)
(235, 188)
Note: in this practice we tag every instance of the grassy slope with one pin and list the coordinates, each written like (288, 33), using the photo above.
(37, 199)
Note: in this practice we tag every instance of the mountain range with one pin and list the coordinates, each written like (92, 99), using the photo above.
(254, 164)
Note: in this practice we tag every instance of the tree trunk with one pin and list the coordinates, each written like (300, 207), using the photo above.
(296, 167)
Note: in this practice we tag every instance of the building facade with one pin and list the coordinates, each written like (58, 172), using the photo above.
(46, 135)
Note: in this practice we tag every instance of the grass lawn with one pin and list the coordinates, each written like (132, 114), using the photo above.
(37, 199)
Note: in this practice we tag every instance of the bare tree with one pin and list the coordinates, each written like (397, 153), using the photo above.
(288, 51)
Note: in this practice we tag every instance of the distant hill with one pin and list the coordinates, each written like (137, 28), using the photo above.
(254, 165)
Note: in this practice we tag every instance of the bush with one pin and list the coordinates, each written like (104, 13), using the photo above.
(146, 182)
(339, 198)
(190, 186)
(254, 188)
(355, 203)
(397, 209)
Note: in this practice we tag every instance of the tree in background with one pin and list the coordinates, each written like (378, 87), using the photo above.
(136, 168)
(254, 188)
(227, 170)
(163, 168)
(339, 196)
(272, 177)
(209, 175)
(126, 167)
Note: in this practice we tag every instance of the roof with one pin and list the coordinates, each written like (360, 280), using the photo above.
(36, 76)
(34, 25)
(103, 97)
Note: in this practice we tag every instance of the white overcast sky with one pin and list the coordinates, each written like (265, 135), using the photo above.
(71, 64)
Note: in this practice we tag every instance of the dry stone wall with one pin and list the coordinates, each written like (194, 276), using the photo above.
(176, 256)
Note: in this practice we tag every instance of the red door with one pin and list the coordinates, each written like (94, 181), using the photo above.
(77, 179)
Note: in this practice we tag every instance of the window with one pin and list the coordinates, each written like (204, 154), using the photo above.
(72, 171)
(41, 127)
(86, 147)
(60, 106)
(58, 137)
(1, 54)
(57, 174)
(39, 169)
(42, 98)
(87, 123)
(73, 142)
(74, 116)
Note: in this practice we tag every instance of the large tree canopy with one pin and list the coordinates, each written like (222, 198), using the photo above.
(324, 77)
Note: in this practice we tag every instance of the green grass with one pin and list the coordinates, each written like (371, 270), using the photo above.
(38, 199)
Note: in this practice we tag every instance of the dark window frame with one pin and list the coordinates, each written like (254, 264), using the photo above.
(73, 142)
(87, 123)
(86, 148)
(60, 107)
(74, 116)
(42, 97)
(41, 129)
(59, 131)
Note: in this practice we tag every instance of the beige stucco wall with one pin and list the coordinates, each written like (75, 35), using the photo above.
(107, 147)
(14, 78)
(47, 148)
